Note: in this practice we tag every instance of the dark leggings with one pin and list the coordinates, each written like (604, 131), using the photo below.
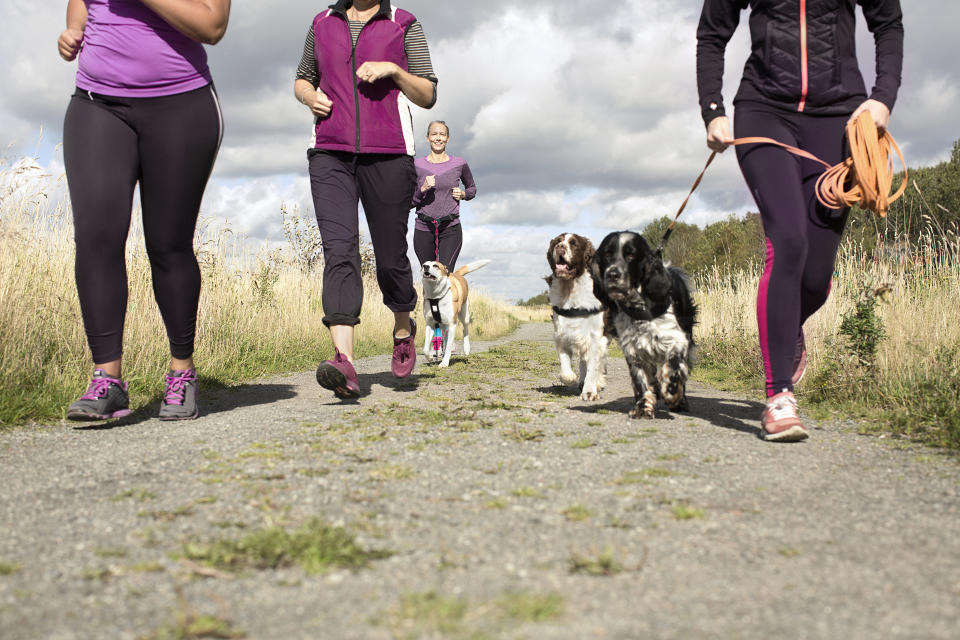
(802, 236)
(168, 145)
(384, 184)
(448, 235)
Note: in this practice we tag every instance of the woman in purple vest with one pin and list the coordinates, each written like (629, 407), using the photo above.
(363, 63)
(437, 234)
(800, 85)
(144, 112)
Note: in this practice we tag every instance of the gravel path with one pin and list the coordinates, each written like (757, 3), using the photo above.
(508, 508)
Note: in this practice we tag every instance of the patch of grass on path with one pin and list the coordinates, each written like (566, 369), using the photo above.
(314, 546)
(427, 614)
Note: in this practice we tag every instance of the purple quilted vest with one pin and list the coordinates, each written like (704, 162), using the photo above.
(366, 118)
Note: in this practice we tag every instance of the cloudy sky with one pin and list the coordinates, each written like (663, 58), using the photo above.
(571, 118)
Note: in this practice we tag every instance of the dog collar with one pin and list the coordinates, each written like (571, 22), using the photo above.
(576, 312)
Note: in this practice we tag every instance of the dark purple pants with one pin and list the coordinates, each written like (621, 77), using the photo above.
(168, 145)
(802, 236)
(445, 239)
(384, 184)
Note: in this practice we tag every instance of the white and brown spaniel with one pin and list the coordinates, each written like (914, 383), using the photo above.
(578, 316)
(653, 315)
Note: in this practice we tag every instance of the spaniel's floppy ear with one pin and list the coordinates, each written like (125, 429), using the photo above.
(599, 291)
(588, 253)
(658, 283)
(553, 243)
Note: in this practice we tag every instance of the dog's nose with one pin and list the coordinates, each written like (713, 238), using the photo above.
(613, 273)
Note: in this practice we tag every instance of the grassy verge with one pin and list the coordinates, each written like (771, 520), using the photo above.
(259, 314)
(885, 348)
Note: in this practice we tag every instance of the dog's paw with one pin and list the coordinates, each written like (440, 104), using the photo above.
(680, 405)
(590, 395)
(568, 378)
(641, 410)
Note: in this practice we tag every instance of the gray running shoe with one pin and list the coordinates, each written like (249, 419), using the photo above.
(106, 398)
(180, 398)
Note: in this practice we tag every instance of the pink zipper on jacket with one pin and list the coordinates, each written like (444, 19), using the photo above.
(803, 55)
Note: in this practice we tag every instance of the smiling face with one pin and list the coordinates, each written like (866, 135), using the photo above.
(438, 134)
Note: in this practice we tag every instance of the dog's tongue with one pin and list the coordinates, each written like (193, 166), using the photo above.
(563, 267)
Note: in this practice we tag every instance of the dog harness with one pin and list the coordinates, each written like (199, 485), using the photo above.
(576, 312)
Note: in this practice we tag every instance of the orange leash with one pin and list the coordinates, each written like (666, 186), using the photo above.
(868, 171)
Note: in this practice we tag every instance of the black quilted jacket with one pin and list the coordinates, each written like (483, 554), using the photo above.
(802, 56)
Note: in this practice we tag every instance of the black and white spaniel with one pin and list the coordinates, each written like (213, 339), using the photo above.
(653, 314)
(578, 317)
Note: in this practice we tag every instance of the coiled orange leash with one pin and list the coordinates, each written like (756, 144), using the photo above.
(864, 178)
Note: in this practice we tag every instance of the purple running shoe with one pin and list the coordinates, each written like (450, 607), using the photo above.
(180, 397)
(404, 353)
(106, 398)
(339, 376)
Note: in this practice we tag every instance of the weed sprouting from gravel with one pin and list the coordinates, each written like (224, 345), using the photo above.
(315, 547)
(7, 568)
(526, 492)
(687, 512)
(576, 513)
(531, 607)
(583, 443)
(188, 625)
(603, 564)
(138, 495)
(429, 614)
(393, 472)
(643, 476)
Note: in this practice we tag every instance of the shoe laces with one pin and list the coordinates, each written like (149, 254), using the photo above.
(177, 386)
(99, 387)
(783, 407)
(403, 349)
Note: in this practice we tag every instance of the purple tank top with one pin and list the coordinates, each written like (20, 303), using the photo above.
(131, 52)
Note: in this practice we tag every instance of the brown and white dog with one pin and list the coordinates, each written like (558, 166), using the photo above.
(444, 302)
(578, 316)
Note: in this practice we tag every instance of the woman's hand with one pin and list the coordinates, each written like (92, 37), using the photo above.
(718, 134)
(429, 183)
(458, 194)
(318, 102)
(69, 42)
(878, 111)
(373, 71)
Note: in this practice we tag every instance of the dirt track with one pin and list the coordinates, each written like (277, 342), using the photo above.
(510, 509)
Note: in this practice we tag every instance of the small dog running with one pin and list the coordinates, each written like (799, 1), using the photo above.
(578, 316)
(444, 302)
(653, 314)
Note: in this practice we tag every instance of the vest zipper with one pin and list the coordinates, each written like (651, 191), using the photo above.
(804, 79)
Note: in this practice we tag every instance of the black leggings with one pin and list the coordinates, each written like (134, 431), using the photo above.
(168, 145)
(802, 236)
(448, 237)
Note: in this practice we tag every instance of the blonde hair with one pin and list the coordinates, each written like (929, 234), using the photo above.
(438, 122)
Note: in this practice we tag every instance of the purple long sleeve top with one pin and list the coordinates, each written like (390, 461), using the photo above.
(438, 202)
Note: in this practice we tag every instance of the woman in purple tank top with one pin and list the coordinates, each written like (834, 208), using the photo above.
(438, 234)
(144, 113)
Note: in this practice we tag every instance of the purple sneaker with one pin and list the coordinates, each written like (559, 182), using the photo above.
(106, 398)
(404, 353)
(180, 398)
(339, 376)
(799, 359)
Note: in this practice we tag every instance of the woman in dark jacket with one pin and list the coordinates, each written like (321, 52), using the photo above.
(800, 85)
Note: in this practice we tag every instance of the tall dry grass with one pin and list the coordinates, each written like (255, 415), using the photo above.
(260, 313)
(912, 384)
